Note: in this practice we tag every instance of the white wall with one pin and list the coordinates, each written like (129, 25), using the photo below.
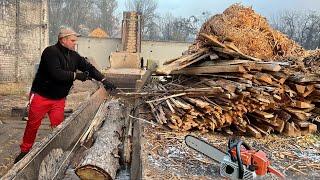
(157, 51)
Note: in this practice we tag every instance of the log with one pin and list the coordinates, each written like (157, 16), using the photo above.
(102, 159)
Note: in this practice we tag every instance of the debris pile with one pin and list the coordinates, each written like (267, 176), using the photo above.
(219, 86)
(251, 33)
(99, 33)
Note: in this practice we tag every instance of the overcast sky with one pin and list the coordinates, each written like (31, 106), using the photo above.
(185, 8)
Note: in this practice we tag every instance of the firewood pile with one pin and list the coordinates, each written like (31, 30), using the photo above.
(220, 87)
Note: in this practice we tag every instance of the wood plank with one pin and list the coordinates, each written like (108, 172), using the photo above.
(212, 39)
(263, 114)
(183, 62)
(301, 124)
(312, 128)
(302, 105)
(304, 78)
(268, 67)
(230, 45)
(301, 115)
(264, 77)
(231, 62)
(211, 69)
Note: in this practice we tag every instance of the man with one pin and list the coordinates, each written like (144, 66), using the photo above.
(54, 78)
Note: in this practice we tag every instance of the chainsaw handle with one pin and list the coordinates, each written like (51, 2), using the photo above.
(234, 142)
(237, 144)
(241, 170)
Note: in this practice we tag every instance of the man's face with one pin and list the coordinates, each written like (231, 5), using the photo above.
(70, 42)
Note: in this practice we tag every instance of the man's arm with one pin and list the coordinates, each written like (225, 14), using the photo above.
(85, 66)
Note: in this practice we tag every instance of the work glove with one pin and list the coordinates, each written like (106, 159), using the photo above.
(108, 85)
(82, 76)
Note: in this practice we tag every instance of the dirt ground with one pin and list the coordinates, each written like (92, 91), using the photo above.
(165, 155)
(12, 128)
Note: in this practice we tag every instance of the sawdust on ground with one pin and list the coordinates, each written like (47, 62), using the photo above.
(167, 156)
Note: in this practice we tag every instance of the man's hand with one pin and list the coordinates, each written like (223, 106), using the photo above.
(82, 76)
(108, 85)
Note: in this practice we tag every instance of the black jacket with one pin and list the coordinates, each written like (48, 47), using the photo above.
(55, 75)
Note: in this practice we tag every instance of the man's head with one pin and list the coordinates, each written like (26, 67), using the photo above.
(68, 38)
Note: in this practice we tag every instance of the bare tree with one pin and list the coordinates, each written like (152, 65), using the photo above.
(178, 28)
(70, 13)
(147, 8)
(82, 16)
(301, 26)
(56, 14)
(107, 18)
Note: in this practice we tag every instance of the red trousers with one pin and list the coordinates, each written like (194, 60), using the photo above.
(39, 106)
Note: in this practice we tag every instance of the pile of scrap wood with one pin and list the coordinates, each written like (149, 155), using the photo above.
(251, 33)
(99, 33)
(219, 87)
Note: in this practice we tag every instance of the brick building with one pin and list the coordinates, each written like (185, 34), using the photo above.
(23, 36)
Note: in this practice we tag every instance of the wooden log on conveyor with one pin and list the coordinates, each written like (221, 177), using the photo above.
(102, 159)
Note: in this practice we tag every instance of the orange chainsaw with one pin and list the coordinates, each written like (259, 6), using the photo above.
(240, 161)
